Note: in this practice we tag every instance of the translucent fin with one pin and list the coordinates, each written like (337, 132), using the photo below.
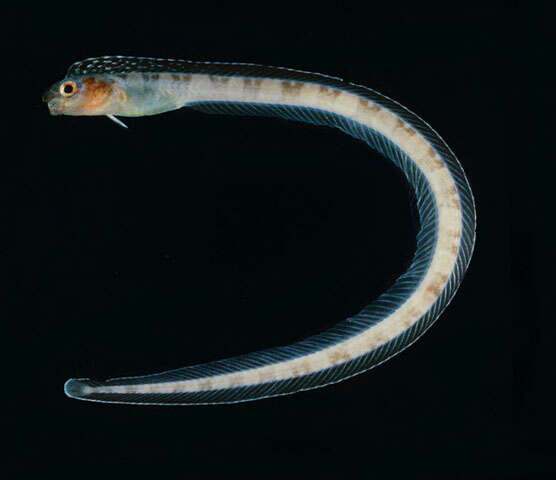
(117, 120)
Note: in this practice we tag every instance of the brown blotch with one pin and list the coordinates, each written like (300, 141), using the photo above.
(436, 161)
(340, 356)
(434, 289)
(409, 130)
(442, 278)
(330, 92)
(291, 88)
(218, 79)
(252, 83)
(295, 371)
(175, 76)
(368, 106)
(406, 322)
(454, 249)
(454, 201)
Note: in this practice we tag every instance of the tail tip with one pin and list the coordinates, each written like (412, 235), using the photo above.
(76, 387)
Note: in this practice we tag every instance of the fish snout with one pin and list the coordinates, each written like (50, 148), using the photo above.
(51, 98)
(49, 95)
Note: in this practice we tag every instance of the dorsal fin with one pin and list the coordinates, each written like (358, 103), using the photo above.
(117, 65)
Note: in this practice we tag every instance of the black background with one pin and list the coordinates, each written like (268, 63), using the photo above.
(192, 237)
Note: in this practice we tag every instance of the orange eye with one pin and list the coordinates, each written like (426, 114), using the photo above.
(67, 89)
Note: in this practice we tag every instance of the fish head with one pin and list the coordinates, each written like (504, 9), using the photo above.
(93, 95)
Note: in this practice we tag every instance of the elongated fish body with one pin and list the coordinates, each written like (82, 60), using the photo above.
(132, 86)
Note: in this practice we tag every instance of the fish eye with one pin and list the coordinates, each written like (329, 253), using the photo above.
(67, 89)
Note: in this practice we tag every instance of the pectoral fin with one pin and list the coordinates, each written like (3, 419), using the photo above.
(117, 120)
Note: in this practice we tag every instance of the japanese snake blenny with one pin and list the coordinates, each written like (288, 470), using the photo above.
(137, 86)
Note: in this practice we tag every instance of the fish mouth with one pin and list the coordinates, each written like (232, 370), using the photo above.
(50, 98)
(49, 95)
(54, 108)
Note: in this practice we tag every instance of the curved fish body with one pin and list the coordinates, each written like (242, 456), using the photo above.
(133, 86)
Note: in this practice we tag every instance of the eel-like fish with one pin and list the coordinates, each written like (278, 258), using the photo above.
(136, 86)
